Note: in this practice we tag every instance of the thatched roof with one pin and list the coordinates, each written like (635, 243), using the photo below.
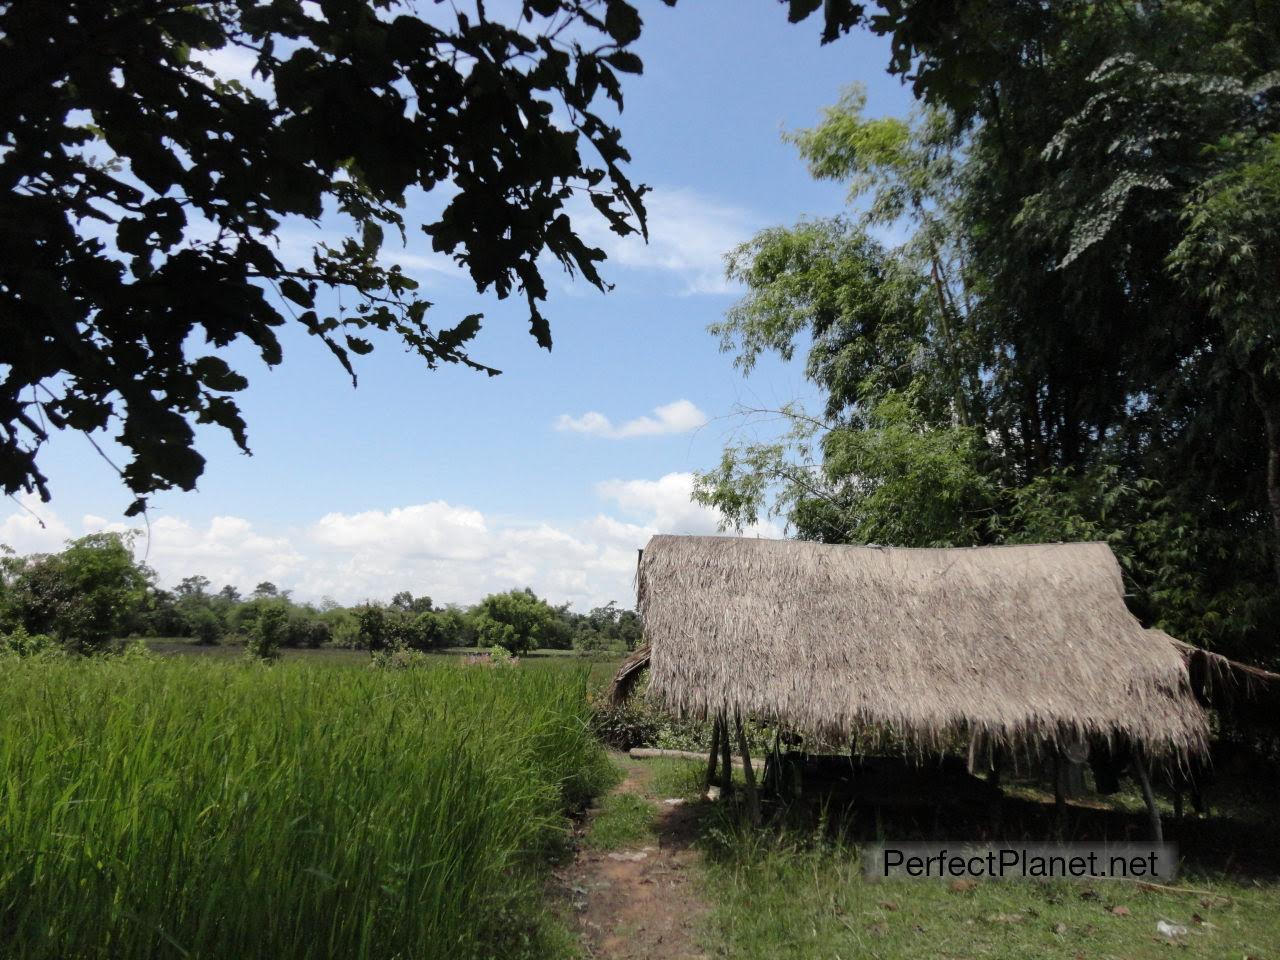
(1240, 692)
(1020, 644)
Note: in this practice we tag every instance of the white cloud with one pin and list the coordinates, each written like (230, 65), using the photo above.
(669, 508)
(678, 417)
(450, 552)
(33, 527)
(689, 235)
(429, 530)
(226, 550)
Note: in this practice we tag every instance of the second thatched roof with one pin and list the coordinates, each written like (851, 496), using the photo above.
(1019, 644)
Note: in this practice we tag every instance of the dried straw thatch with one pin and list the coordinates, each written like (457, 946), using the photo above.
(1240, 692)
(1020, 645)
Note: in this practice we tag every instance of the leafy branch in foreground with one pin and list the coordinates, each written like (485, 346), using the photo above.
(154, 155)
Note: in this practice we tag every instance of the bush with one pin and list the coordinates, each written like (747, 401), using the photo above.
(375, 633)
(318, 634)
(399, 659)
(267, 633)
(630, 724)
(344, 629)
(637, 723)
(297, 628)
(203, 624)
(22, 644)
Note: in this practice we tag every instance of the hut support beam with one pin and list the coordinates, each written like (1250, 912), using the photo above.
(716, 734)
(726, 763)
(1059, 795)
(748, 775)
(1153, 812)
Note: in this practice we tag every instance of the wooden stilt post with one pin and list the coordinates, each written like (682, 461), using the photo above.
(1059, 798)
(1157, 829)
(726, 762)
(715, 748)
(769, 782)
(748, 775)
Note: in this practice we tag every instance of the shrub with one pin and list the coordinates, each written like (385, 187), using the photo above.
(318, 634)
(375, 633)
(630, 724)
(502, 657)
(344, 629)
(637, 723)
(267, 633)
(19, 642)
(205, 625)
(399, 659)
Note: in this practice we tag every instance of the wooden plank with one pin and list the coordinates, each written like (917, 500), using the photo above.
(653, 753)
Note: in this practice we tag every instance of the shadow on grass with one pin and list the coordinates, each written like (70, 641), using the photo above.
(1239, 840)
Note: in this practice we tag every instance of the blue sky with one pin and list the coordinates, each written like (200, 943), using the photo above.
(452, 484)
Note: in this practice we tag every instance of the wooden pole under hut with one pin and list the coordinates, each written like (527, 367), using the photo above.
(713, 761)
(726, 761)
(1153, 812)
(748, 775)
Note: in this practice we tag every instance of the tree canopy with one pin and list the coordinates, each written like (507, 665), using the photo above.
(1077, 338)
(143, 195)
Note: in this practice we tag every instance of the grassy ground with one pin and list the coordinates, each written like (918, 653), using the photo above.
(797, 891)
(622, 820)
(191, 807)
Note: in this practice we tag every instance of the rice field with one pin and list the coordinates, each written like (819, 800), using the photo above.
(191, 808)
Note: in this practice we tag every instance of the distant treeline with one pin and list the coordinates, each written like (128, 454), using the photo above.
(95, 592)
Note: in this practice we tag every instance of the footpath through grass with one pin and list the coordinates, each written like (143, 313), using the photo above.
(188, 808)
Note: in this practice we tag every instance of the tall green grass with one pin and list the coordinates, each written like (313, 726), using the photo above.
(181, 808)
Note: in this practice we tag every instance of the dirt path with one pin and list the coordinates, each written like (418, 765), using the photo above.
(639, 902)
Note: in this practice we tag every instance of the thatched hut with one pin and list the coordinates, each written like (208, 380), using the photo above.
(1244, 695)
(1019, 646)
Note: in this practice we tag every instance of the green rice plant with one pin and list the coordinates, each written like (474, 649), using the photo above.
(213, 809)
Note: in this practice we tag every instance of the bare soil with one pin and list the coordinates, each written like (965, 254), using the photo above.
(640, 903)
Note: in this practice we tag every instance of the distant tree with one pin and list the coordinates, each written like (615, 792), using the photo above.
(203, 624)
(266, 590)
(158, 615)
(417, 631)
(374, 633)
(562, 630)
(319, 634)
(192, 587)
(344, 627)
(517, 621)
(404, 600)
(457, 627)
(297, 630)
(630, 630)
(268, 632)
(85, 596)
(229, 594)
